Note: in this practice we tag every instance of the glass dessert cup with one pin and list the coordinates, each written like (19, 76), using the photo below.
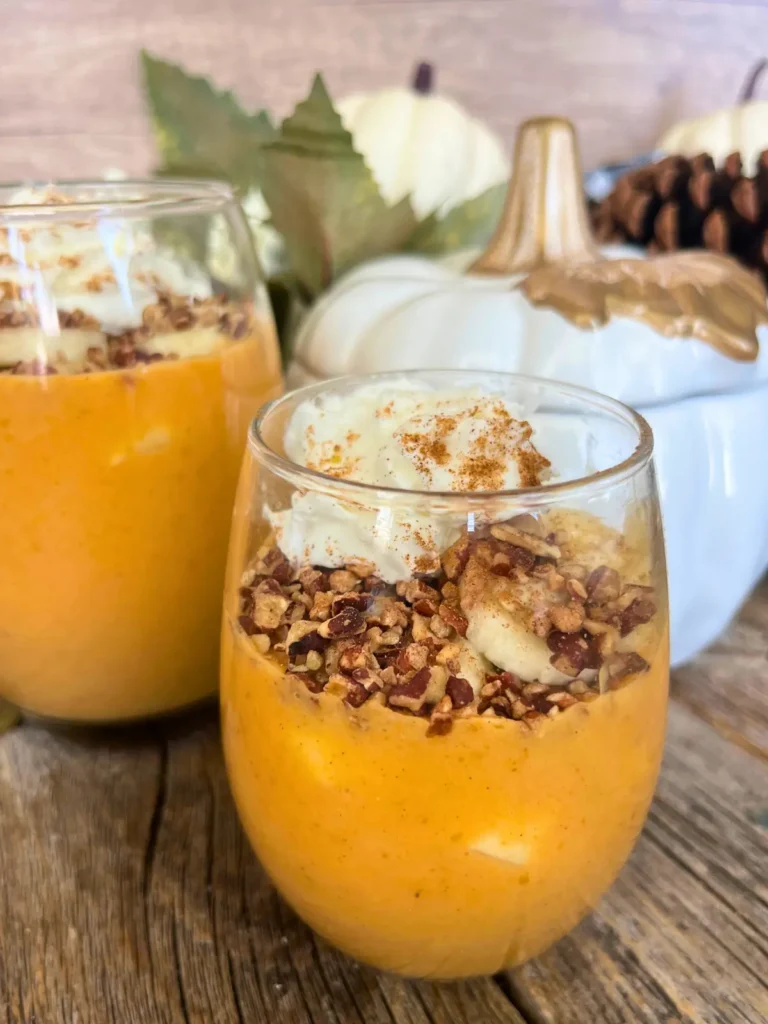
(444, 769)
(129, 371)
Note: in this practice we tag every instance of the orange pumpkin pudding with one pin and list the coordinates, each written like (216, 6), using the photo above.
(126, 387)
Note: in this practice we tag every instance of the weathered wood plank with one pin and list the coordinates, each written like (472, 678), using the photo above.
(683, 935)
(128, 895)
(726, 686)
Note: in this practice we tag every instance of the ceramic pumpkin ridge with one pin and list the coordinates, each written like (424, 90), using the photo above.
(544, 234)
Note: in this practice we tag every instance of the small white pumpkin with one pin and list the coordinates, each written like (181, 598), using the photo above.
(675, 336)
(423, 145)
(739, 129)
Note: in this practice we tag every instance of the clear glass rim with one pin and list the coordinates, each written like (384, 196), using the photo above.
(598, 481)
(159, 197)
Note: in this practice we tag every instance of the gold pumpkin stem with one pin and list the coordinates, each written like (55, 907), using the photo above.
(545, 214)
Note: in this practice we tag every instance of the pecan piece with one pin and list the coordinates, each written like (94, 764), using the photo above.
(460, 691)
(413, 657)
(603, 585)
(370, 680)
(360, 567)
(387, 612)
(356, 695)
(314, 661)
(440, 627)
(355, 656)
(418, 590)
(455, 558)
(637, 614)
(303, 637)
(576, 589)
(619, 666)
(568, 618)
(453, 618)
(572, 652)
(374, 585)
(277, 565)
(247, 625)
(321, 606)
(411, 694)
(535, 545)
(268, 586)
(349, 622)
(268, 610)
(441, 720)
(353, 599)
(342, 581)
(313, 580)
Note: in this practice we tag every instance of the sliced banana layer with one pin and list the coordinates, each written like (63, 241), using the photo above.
(65, 351)
(199, 341)
(501, 612)
(473, 666)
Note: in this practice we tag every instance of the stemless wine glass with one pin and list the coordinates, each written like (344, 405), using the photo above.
(129, 370)
(442, 770)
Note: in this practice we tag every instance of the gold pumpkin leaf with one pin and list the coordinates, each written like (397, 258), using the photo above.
(691, 294)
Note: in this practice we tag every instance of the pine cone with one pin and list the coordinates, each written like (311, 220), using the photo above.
(681, 203)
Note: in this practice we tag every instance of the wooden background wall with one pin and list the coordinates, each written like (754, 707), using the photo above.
(70, 100)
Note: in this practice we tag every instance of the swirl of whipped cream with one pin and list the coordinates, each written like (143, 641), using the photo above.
(401, 436)
(109, 268)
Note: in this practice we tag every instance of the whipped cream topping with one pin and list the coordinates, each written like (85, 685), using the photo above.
(414, 439)
(403, 436)
(110, 269)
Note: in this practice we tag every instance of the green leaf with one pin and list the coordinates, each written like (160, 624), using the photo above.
(9, 716)
(469, 225)
(201, 132)
(186, 235)
(324, 199)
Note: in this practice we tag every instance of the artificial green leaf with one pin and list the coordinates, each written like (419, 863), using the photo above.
(466, 226)
(9, 716)
(323, 198)
(201, 132)
(185, 234)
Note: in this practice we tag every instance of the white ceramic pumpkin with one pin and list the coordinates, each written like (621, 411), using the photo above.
(424, 145)
(674, 336)
(742, 129)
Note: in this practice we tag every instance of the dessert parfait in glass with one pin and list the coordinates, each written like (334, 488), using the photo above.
(128, 376)
(445, 660)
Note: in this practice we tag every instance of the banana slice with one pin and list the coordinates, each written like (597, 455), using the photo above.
(199, 341)
(500, 611)
(64, 351)
(473, 666)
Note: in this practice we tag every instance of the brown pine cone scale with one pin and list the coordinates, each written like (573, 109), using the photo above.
(682, 203)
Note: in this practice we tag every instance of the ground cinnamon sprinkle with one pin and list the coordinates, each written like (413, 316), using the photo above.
(502, 440)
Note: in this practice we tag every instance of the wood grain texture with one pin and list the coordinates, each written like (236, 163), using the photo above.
(734, 702)
(128, 893)
(70, 99)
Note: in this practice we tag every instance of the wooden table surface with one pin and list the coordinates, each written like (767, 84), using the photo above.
(128, 893)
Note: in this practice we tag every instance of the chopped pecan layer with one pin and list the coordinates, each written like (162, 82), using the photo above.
(170, 314)
(346, 632)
